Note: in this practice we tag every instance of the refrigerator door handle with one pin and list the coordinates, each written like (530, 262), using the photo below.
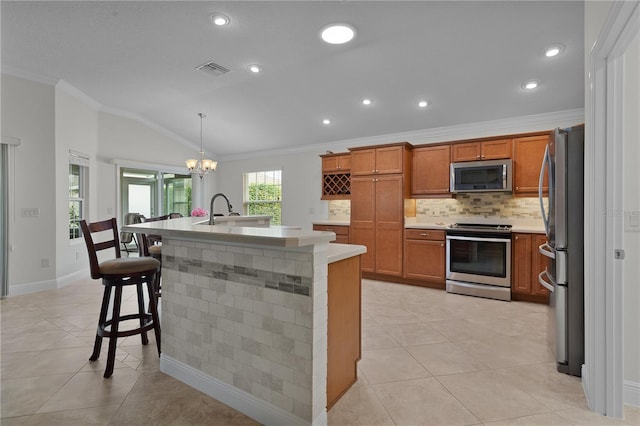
(549, 285)
(546, 162)
(545, 249)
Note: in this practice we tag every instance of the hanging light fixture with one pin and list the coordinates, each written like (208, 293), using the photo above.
(203, 166)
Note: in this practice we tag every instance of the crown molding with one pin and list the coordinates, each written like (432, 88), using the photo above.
(27, 75)
(78, 94)
(523, 124)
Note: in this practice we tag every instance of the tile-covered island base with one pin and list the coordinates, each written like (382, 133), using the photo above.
(248, 326)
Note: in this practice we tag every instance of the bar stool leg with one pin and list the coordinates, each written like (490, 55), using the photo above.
(153, 307)
(113, 338)
(101, 320)
(142, 314)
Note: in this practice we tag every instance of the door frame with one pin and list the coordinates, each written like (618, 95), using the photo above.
(602, 372)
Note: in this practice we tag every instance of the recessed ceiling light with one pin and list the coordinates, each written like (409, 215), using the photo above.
(219, 19)
(530, 85)
(366, 101)
(338, 33)
(255, 68)
(422, 104)
(326, 121)
(554, 50)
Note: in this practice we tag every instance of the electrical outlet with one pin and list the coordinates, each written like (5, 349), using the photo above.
(45, 262)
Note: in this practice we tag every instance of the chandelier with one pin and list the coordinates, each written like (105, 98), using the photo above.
(203, 166)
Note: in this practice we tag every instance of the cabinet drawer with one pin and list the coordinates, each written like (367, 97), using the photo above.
(337, 229)
(424, 234)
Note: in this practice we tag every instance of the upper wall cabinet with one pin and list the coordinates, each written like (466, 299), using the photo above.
(430, 167)
(385, 159)
(336, 179)
(481, 150)
(336, 162)
(527, 158)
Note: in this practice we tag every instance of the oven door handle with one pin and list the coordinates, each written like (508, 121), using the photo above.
(481, 239)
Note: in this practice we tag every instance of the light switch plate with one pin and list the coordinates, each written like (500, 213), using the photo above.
(30, 212)
(632, 221)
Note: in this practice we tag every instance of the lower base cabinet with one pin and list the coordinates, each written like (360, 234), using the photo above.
(343, 327)
(527, 264)
(341, 231)
(424, 255)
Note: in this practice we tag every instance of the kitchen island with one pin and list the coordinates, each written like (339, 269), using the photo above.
(245, 315)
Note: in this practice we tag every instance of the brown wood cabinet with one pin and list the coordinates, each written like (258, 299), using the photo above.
(481, 150)
(528, 153)
(527, 264)
(336, 179)
(377, 220)
(386, 159)
(341, 231)
(430, 171)
(424, 254)
(336, 162)
(343, 326)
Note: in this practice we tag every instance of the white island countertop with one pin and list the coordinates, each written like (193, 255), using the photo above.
(189, 228)
(339, 252)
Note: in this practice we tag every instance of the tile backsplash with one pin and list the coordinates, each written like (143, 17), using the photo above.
(487, 205)
(339, 208)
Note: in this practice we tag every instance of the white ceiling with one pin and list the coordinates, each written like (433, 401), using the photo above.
(468, 59)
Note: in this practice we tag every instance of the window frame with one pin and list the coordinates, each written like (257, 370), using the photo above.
(81, 161)
(246, 202)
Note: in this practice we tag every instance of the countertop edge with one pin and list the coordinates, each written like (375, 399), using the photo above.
(338, 252)
(183, 228)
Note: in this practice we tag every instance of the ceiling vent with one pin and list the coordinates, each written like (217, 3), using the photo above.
(213, 69)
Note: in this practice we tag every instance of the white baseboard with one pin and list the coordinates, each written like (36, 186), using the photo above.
(28, 288)
(631, 393)
(257, 409)
(73, 277)
(60, 282)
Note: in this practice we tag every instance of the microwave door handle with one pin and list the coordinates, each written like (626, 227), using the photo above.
(546, 161)
(544, 283)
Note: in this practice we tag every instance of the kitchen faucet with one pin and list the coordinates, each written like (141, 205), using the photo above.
(229, 207)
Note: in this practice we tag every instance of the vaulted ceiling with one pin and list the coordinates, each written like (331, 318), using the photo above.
(468, 60)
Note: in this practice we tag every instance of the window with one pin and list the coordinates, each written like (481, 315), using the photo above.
(263, 194)
(78, 190)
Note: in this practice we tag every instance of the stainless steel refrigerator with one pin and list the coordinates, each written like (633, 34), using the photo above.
(564, 224)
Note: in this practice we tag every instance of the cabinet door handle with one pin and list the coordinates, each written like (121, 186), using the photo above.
(478, 156)
(424, 235)
(516, 237)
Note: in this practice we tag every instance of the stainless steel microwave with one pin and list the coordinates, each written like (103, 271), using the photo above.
(481, 176)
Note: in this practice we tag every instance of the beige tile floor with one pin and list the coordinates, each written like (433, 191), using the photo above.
(428, 358)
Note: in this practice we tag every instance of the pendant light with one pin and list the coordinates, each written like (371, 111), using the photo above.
(203, 166)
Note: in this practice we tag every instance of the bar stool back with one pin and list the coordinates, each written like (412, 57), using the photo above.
(117, 273)
(148, 246)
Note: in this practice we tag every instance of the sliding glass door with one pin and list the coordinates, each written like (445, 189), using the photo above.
(154, 193)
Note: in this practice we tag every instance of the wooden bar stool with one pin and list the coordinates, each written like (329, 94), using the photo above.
(116, 274)
(148, 246)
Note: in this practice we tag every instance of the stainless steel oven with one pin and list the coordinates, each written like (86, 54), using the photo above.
(479, 260)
